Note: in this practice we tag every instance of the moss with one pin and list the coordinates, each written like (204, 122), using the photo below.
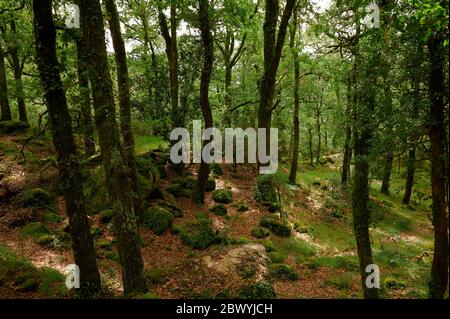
(175, 189)
(283, 272)
(266, 192)
(96, 232)
(37, 197)
(197, 234)
(104, 244)
(106, 216)
(52, 282)
(11, 127)
(276, 257)
(219, 209)
(216, 169)
(338, 262)
(210, 185)
(158, 275)
(242, 207)
(50, 217)
(45, 240)
(269, 245)
(224, 196)
(189, 182)
(95, 191)
(277, 226)
(29, 285)
(260, 290)
(394, 284)
(157, 218)
(112, 255)
(260, 232)
(34, 229)
(341, 282)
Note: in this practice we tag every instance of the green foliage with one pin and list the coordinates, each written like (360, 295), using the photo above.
(216, 169)
(219, 209)
(260, 232)
(45, 240)
(158, 275)
(12, 127)
(189, 182)
(106, 216)
(224, 196)
(393, 283)
(104, 244)
(50, 217)
(277, 226)
(339, 262)
(157, 218)
(197, 234)
(112, 255)
(37, 197)
(52, 282)
(340, 282)
(260, 290)
(266, 191)
(283, 272)
(276, 257)
(34, 229)
(210, 185)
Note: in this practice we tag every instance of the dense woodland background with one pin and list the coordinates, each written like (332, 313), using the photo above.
(85, 174)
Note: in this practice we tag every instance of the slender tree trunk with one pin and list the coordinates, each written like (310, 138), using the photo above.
(4, 101)
(198, 195)
(348, 137)
(124, 99)
(17, 69)
(228, 97)
(71, 183)
(114, 161)
(85, 101)
(296, 138)
(411, 170)
(436, 129)
(319, 134)
(311, 155)
(387, 173)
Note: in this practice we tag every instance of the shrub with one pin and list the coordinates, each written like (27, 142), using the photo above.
(210, 185)
(189, 182)
(283, 272)
(219, 209)
(260, 232)
(197, 234)
(36, 197)
(158, 219)
(106, 216)
(277, 226)
(260, 290)
(224, 196)
(242, 208)
(216, 169)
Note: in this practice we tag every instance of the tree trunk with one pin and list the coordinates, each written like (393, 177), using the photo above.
(348, 137)
(71, 183)
(387, 173)
(411, 170)
(117, 174)
(319, 133)
(124, 99)
(85, 101)
(436, 129)
(17, 69)
(296, 138)
(198, 195)
(4, 101)
(311, 155)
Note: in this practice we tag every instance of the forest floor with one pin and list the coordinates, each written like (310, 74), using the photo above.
(320, 252)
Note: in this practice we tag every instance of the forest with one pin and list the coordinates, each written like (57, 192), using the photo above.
(346, 196)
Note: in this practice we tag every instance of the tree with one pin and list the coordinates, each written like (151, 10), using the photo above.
(69, 169)
(114, 161)
(4, 100)
(204, 18)
(411, 169)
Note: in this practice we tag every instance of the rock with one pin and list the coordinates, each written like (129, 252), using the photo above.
(247, 256)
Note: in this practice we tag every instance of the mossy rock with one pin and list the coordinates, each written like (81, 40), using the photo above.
(260, 290)
(394, 284)
(197, 234)
(260, 232)
(45, 240)
(283, 272)
(51, 217)
(216, 169)
(276, 257)
(35, 230)
(277, 226)
(104, 244)
(170, 206)
(157, 218)
(219, 209)
(242, 208)
(210, 185)
(37, 197)
(266, 192)
(11, 127)
(269, 245)
(189, 182)
(175, 189)
(106, 216)
(112, 255)
(223, 196)
(96, 232)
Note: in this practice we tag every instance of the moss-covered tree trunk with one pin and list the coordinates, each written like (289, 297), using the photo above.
(436, 131)
(71, 183)
(348, 136)
(17, 70)
(4, 101)
(204, 15)
(124, 98)
(410, 171)
(114, 161)
(385, 184)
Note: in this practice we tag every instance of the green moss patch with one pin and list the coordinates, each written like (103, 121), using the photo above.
(223, 196)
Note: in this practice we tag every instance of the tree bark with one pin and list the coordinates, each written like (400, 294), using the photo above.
(71, 183)
(17, 70)
(296, 138)
(198, 195)
(114, 161)
(348, 136)
(387, 173)
(4, 101)
(436, 129)
(311, 155)
(411, 170)
(124, 99)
